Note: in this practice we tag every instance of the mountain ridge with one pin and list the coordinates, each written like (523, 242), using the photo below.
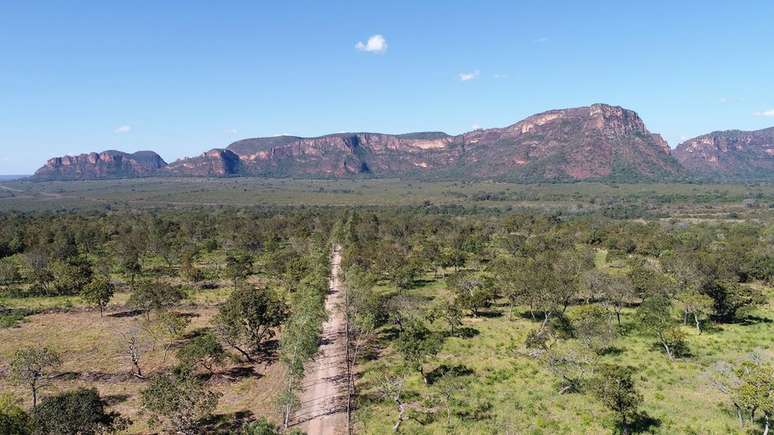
(733, 154)
(596, 142)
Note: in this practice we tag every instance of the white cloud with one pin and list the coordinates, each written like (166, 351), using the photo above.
(768, 113)
(376, 44)
(475, 126)
(469, 75)
(230, 131)
(499, 76)
(541, 40)
(123, 129)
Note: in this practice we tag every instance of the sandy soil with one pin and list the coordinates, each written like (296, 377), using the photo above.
(324, 399)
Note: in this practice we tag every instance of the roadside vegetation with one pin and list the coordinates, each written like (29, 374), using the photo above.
(170, 321)
(532, 324)
(483, 308)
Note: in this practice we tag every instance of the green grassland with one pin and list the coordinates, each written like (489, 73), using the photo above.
(685, 200)
(94, 354)
(507, 391)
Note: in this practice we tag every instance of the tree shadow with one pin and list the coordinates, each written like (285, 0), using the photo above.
(489, 314)
(207, 285)
(236, 373)
(642, 423)
(390, 333)
(127, 313)
(610, 351)
(562, 325)
(447, 370)
(535, 316)
(464, 332)
(709, 327)
(67, 376)
(198, 332)
(225, 423)
(680, 350)
(269, 351)
(752, 320)
(114, 399)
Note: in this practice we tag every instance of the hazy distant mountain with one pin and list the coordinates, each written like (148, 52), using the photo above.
(12, 177)
(213, 163)
(107, 164)
(594, 142)
(730, 154)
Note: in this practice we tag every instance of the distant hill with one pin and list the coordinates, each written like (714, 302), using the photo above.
(730, 154)
(12, 177)
(107, 164)
(597, 142)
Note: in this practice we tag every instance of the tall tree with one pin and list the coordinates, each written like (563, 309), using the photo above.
(178, 402)
(98, 292)
(655, 316)
(416, 343)
(81, 411)
(31, 367)
(238, 267)
(614, 386)
(248, 318)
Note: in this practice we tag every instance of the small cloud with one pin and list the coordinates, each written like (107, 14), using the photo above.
(475, 126)
(729, 100)
(542, 40)
(123, 129)
(230, 131)
(499, 76)
(469, 75)
(375, 44)
(280, 134)
(767, 113)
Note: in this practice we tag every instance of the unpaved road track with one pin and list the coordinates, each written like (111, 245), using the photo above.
(323, 407)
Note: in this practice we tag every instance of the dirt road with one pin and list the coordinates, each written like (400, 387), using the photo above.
(324, 399)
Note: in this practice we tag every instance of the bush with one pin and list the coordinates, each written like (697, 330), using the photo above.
(75, 412)
(9, 272)
(614, 387)
(12, 317)
(203, 350)
(260, 427)
(248, 318)
(150, 295)
(178, 401)
(13, 419)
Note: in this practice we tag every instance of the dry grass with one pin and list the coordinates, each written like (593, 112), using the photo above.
(93, 355)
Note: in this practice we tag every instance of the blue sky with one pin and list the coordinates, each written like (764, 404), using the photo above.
(183, 77)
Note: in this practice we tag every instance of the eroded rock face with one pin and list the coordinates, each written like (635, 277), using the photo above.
(593, 142)
(213, 163)
(733, 153)
(107, 164)
(598, 141)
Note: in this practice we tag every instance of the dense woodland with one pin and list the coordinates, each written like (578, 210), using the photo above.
(451, 314)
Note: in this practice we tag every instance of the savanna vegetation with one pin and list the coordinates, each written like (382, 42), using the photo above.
(525, 323)
(482, 308)
(165, 321)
